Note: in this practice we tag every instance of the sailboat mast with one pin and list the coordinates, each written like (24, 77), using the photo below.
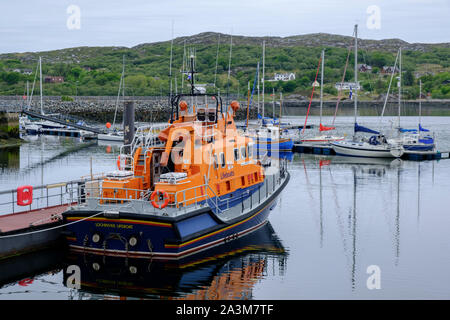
(356, 70)
(263, 74)
(321, 86)
(28, 92)
(420, 103)
(257, 86)
(273, 103)
(40, 83)
(399, 85)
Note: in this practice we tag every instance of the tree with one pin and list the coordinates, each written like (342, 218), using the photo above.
(11, 77)
(408, 78)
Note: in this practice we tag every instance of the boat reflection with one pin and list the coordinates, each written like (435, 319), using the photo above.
(227, 272)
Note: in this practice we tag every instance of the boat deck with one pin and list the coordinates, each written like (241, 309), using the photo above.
(37, 217)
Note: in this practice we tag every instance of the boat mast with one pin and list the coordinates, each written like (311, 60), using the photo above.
(273, 103)
(40, 83)
(356, 70)
(263, 73)
(399, 85)
(420, 103)
(321, 86)
(217, 61)
(170, 67)
(28, 92)
(257, 86)
(121, 86)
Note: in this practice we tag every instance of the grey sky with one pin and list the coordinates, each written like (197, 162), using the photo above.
(41, 25)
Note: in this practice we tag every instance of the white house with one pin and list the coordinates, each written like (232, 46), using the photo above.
(315, 84)
(283, 77)
(347, 86)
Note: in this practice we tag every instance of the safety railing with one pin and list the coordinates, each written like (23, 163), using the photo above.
(40, 197)
(145, 137)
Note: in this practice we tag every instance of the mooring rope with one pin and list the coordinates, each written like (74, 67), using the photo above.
(52, 228)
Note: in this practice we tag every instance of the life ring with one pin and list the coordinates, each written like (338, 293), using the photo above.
(165, 197)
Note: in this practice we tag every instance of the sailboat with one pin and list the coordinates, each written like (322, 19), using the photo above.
(323, 138)
(411, 139)
(269, 135)
(377, 145)
(36, 127)
(116, 136)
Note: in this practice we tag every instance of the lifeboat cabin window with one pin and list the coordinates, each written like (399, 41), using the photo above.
(211, 115)
(216, 162)
(228, 185)
(243, 153)
(201, 116)
(243, 181)
(249, 150)
(222, 159)
(236, 154)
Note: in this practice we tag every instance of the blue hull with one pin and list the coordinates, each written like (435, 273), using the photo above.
(171, 278)
(161, 237)
(268, 144)
(425, 147)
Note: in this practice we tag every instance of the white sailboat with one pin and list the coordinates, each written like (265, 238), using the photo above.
(37, 126)
(323, 138)
(375, 146)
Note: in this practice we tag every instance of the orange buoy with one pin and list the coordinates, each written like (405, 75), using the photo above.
(183, 105)
(108, 125)
(165, 198)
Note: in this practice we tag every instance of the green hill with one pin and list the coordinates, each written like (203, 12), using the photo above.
(96, 70)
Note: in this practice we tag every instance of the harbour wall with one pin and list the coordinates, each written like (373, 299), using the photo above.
(148, 109)
(9, 125)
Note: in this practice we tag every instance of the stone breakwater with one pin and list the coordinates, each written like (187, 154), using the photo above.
(102, 109)
(155, 109)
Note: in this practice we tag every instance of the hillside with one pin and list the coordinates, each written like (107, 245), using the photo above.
(96, 70)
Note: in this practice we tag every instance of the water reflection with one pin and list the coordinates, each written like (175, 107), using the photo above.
(9, 158)
(348, 187)
(227, 272)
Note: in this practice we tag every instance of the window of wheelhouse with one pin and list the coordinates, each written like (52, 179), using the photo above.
(243, 153)
(216, 162)
(249, 150)
(222, 159)
(236, 154)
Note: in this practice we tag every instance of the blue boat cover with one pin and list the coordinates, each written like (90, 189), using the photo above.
(407, 130)
(423, 129)
(359, 128)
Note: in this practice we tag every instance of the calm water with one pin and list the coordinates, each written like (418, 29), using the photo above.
(336, 217)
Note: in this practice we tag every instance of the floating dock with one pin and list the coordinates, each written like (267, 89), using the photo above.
(35, 225)
(30, 230)
(407, 155)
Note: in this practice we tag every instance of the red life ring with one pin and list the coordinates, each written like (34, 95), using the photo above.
(165, 197)
(24, 195)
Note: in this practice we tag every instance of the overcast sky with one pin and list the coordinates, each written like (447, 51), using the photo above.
(39, 25)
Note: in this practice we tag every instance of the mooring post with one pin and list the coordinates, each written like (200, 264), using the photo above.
(128, 123)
